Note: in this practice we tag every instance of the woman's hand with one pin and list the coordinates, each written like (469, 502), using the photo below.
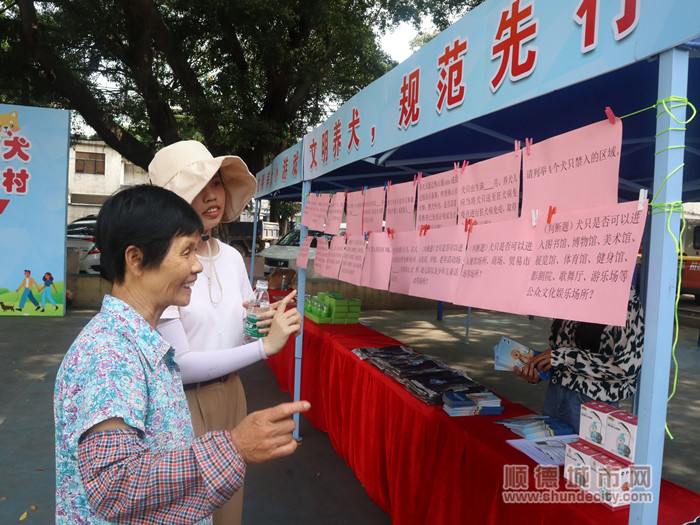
(537, 364)
(542, 362)
(279, 324)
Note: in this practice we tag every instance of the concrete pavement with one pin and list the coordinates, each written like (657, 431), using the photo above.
(314, 485)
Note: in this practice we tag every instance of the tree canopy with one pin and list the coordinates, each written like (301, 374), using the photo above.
(243, 76)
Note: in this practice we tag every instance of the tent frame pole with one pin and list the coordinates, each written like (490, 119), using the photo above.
(661, 289)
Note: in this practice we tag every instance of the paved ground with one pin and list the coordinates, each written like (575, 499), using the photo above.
(314, 485)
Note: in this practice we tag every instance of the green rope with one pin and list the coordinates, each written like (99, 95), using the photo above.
(671, 208)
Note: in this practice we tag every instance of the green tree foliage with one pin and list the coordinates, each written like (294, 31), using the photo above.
(244, 76)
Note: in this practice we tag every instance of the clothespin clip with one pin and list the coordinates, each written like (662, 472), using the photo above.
(469, 225)
(642, 197)
(528, 143)
(417, 177)
(552, 211)
(535, 213)
(464, 165)
(424, 229)
(363, 189)
(517, 146)
(389, 185)
(346, 192)
(386, 185)
(610, 114)
(456, 166)
(390, 232)
(367, 236)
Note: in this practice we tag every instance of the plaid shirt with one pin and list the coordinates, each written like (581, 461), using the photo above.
(126, 482)
(120, 367)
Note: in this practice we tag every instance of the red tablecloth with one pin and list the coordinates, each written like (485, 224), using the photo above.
(417, 463)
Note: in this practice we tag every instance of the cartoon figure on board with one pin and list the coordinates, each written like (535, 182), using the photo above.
(9, 125)
(26, 286)
(596, 437)
(46, 291)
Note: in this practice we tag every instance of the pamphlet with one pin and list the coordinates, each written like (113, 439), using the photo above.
(546, 450)
(536, 426)
(509, 354)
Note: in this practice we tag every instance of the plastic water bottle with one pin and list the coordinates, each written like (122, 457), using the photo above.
(259, 304)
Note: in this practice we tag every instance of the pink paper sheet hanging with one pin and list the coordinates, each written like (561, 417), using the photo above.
(373, 210)
(353, 213)
(335, 213)
(489, 191)
(440, 254)
(376, 268)
(315, 210)
(404, 256)
(353, 259)
(303, 256)
(400, 206)
(574, 170)
(437, 200)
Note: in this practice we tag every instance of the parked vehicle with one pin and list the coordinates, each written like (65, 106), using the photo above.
(81, 237)
(690, 273)
(240, 235)
(283, 254)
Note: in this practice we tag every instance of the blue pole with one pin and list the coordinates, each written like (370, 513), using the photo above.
(440, 306)
(661, 286)
(469, 322)
(301, 293)
(255, 241)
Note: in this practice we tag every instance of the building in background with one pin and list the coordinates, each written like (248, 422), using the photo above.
(96, 171)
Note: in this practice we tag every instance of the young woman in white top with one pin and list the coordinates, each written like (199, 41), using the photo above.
(207, 334)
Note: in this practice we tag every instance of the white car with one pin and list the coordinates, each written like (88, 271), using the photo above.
(81, 237)
(283, 254)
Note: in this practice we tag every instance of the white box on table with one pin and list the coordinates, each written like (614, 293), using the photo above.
(612, 481)
(593, 423)
(579, 465)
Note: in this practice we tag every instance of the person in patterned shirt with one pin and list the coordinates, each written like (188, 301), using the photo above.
(590, 362)
(125, 447)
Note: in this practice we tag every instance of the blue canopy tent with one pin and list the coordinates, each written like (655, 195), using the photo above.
(659, 153)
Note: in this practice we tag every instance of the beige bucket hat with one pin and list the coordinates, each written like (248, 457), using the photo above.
(186, 167)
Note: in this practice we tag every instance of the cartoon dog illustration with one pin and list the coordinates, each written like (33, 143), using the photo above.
(6, 308)
(522, 357)
(9, 124)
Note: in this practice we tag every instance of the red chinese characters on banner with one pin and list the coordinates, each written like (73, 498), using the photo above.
(295, 165)
(324, 147)
(450, 87)
(312, 150)
(587, 16)
(352, 128)
(408, 104)
(285, 168)
(337, 138)
(515, 28)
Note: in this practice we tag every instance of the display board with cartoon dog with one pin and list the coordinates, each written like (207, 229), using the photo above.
(34, 146)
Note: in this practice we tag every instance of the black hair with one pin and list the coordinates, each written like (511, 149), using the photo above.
(145, 216)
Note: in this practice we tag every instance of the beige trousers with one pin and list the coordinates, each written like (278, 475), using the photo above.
(220, 406)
